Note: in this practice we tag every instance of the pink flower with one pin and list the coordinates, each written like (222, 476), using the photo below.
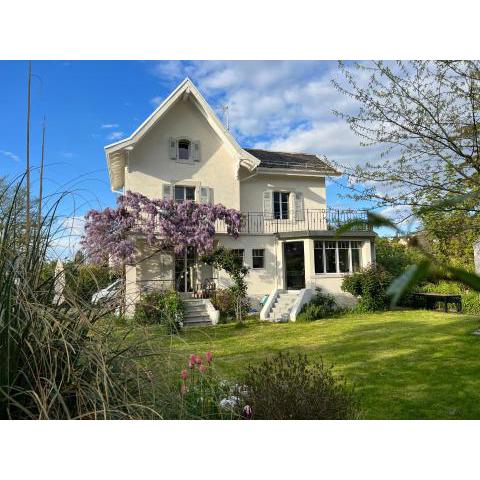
(247, 411)
(209, 357)
(198, 360)
(192, 357)
(190, 364)
(184, 374)
(183, 389)
(202, 368)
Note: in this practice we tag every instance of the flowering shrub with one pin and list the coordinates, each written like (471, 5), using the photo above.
(290, 387)
(202, 394)
(166, 224)
(165, 308)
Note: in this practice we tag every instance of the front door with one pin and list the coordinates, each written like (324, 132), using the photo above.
(294, 265)
(184, 264)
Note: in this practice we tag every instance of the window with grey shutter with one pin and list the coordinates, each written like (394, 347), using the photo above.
(167, 191)
(196, 151)
(299, 209)
(172, 145)
(204, 195)
(267, 204)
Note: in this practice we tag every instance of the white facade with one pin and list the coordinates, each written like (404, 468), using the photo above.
(282, 205)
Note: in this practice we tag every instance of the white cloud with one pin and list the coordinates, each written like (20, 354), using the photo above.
(156, 101)
(10, 155)
(109, 125)
(280, 105)
(115, 136)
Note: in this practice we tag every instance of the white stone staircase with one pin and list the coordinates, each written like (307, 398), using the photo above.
(280, 310)
(199, 312)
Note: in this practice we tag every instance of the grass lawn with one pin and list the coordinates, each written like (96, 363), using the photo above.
(404, 364)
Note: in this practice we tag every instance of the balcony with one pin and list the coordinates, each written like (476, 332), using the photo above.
(258, 223)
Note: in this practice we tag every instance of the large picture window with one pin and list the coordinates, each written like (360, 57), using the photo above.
(337, 256)
(280, 205)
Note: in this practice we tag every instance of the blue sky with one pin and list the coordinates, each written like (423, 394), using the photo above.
(88, 104)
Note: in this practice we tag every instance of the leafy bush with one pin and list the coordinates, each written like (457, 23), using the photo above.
(287, 387)
(394, 257)
(225, 259)
(225, 301)
(322, 305)
(370, 285)
(470, 298)
(165, 308)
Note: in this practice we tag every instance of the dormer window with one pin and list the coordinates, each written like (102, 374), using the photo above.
(184, 149)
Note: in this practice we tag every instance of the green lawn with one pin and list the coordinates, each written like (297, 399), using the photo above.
(404, 364)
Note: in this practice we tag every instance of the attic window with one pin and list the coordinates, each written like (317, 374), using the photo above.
(184, 149)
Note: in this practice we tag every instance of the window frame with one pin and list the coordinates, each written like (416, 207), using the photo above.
(262, 256)
(281, 204)
(352, 245)
(236, 251)
(189, 150)
(184, 187)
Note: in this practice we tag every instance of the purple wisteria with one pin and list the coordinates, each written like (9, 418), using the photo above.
(165, 224)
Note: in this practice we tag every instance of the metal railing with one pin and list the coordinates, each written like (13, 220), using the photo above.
(257, 223)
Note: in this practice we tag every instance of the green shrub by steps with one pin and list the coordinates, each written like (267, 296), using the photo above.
(165, 308)
(322, 305)
(470, 298)
(225, 301)
(369, 285)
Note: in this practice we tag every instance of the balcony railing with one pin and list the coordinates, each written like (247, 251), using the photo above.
(258, 223)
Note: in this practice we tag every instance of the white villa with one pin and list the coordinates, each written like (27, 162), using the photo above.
(183, 151)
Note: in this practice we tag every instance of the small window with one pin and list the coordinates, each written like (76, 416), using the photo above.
(184, 193)
(184, 149)
(280, 205)
(258, 258)
(238, 252)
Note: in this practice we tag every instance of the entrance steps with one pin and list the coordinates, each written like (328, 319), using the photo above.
(280, 310)
(196, 313)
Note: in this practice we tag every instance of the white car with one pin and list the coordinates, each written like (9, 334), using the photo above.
(107, 293)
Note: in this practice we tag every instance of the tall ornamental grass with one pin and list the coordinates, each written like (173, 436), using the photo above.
(57, 361)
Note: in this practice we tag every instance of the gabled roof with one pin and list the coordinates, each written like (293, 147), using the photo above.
(116, 152)
(293, 161)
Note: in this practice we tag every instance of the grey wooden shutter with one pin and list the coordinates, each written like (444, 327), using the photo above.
(196, 151)
(299, 209)
(267, 204)
(204, 195)
(172, 146)
(167, 191)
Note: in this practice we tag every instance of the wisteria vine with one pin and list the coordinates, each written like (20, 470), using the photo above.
(165, 224)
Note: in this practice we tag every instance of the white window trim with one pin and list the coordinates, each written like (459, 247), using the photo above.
(258, 268)
(289, 209)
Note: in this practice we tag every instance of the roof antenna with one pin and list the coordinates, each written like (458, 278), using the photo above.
(226, 118)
